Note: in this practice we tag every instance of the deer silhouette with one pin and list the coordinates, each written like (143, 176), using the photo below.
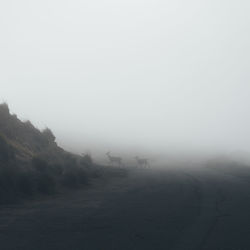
(114, 159)
(142, 162)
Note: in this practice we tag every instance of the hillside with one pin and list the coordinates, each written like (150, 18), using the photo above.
(32, 163)
(28, 142)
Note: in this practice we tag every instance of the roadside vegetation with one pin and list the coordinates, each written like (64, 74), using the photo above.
(34, 177)
(32, 164)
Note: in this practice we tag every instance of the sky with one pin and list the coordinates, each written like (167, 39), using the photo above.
(155, 75)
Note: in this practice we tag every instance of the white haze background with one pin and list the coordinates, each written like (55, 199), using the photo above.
(154, 75)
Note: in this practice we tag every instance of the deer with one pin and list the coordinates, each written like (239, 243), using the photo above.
(114, 159)
(142, 162)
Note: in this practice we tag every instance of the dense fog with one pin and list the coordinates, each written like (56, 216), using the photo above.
(130, 76)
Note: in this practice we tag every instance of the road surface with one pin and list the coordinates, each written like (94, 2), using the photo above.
(199, 209)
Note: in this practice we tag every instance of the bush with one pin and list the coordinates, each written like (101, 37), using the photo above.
(44, 176)
(74, 177)
(86, 160)
(40, 165)
(82, 177)
(69, 179)
(26, 183)
(6, 151)
(56, 169)
(37, 177)
(48, 135)
(45, 184)
(8, 183)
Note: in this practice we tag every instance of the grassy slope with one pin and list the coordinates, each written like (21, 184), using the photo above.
(31, 162)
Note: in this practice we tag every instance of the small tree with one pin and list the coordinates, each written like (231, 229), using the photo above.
(49, 135)
(86, 159)
(4, 109)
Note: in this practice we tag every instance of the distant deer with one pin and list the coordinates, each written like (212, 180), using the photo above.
(142, 162)
(114, 159)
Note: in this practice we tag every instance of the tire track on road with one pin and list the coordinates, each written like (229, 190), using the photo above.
(197, 234)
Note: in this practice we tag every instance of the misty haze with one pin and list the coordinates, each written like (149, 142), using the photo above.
(124, 125)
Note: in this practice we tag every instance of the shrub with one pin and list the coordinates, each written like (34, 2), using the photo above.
(8, 183)
(45, 183)
(40, 165)
(44, 176)
(69, 179)
(6, 151)
(26, 183)
(82, 177)
(74, 177)
(56, 169)
(48, 135)
(86, 160)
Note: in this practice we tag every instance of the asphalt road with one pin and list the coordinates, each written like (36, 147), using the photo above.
(200, 209)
